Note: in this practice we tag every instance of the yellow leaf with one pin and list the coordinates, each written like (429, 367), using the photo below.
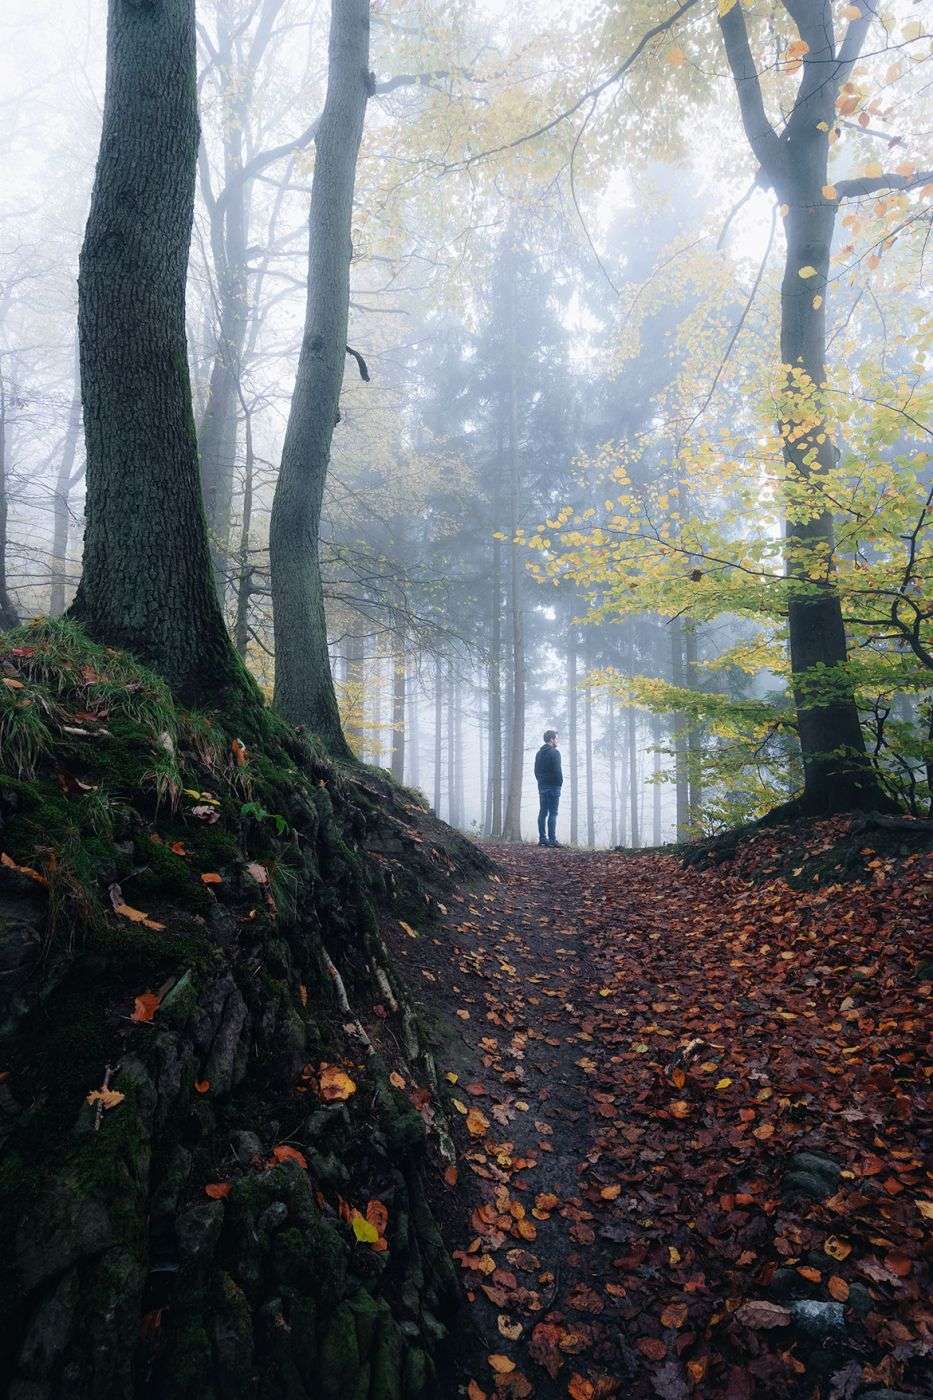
(725, 6)
(806, 271)
(851, 12)
(797, 49)
(873, 169)
(364, 1230)
(817, 303)
(829, 192)
(407, 928)
(109, 1098)
(502, 1365)
(723, 1083)
(822, 126)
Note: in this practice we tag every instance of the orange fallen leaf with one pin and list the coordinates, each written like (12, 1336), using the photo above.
(146, 1006)
(502, 1365)
(284, 1153)
(674, 1315)
(11, 864)
(611, 1193)
(218, 1189)
(335, 1084)
(838, 1288)
(201, 1086)
(477, 1122)
(211, 877)
(579, 1388)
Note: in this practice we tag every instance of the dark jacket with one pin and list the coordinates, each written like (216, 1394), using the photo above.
(547, 767)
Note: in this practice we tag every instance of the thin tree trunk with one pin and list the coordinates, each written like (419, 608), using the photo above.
(572, 735)
(147, 579)
(413, 714)
(452, 814)
(481, 822)
(587, 742)
(495, 697)
(304, 690)
(356, 693)
(244, 588)
(438, 733)
(694, 734)
(66, 478)
(633, 787)
(513, 808)
(681, 780)
(613, 810)
(458, 750)
(228, 215)
(9, 617)
(398, 714)
(656, 785)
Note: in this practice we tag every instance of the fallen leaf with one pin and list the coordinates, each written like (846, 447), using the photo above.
(760, 1314)
(284, 1153)
(335, 1084)
(145, 1006)
(218, 1189)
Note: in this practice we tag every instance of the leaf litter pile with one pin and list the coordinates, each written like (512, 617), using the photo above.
(688, 1110)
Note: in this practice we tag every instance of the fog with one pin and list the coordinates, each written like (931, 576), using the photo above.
(536, 325)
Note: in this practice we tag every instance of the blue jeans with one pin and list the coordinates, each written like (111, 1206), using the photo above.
(550, 801)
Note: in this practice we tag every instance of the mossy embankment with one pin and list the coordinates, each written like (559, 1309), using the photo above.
(189, 925)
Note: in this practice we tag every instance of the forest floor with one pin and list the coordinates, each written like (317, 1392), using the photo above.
(687, 1104)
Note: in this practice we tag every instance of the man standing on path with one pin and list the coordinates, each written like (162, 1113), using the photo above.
(550, 780)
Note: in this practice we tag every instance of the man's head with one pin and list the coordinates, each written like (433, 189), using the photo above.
(550, 737)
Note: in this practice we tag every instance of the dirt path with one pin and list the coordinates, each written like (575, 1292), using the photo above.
(641, 1055)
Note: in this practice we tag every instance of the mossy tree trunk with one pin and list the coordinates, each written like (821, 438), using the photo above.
(147, 582)
(304, 689)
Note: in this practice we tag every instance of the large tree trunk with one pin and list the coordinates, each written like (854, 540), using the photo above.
(304, 690)
(837, 772)
(65, 479)
(147, 580)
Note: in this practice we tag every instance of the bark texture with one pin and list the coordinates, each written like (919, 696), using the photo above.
(304, 691)
(837, 773)
(146, 584)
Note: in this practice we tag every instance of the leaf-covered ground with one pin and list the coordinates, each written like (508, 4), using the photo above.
(689, 1111)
